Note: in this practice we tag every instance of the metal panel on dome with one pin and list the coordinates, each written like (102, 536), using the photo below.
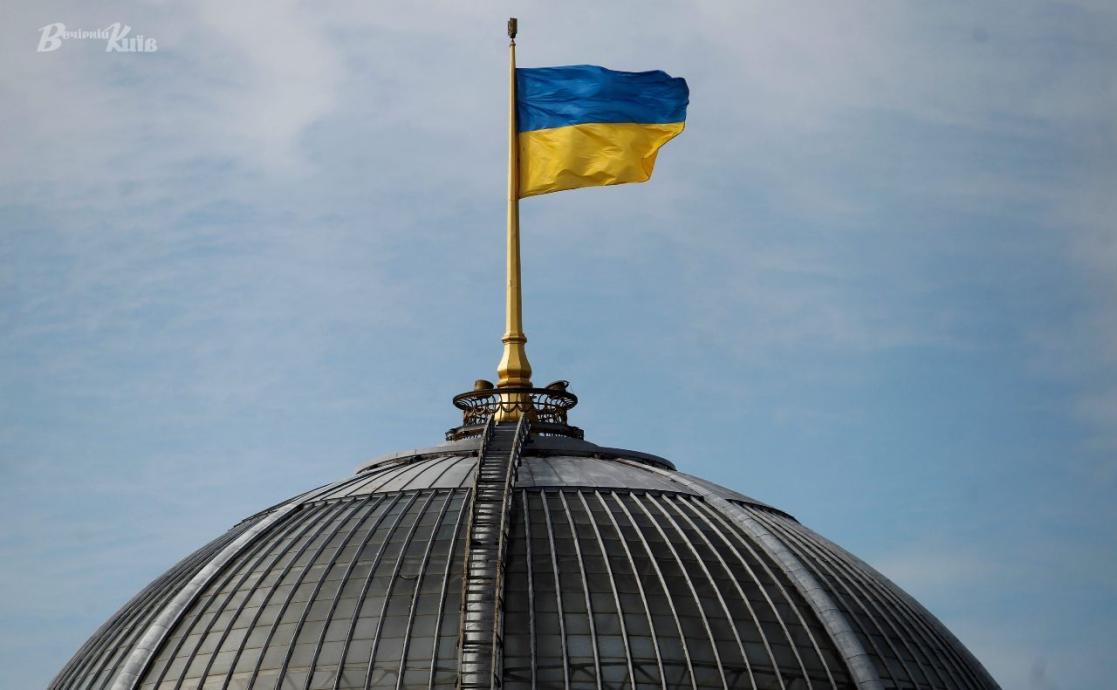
(558, 470)
(344, 594)
(539, 470)
(911, 648)
(436, 472)
(95, 665)
(620, 574)
(614, 589)
(727, 494)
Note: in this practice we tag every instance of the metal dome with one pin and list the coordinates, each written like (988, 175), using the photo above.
(514, 559)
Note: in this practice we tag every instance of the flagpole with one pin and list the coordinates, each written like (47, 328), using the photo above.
(514, 370)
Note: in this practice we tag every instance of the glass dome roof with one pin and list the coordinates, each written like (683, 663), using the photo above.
(576, 566)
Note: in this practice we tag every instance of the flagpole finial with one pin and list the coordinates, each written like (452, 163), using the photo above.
(512, 28)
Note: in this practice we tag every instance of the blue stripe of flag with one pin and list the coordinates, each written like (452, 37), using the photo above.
(548, 97)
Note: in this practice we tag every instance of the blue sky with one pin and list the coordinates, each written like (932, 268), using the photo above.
(873, 283)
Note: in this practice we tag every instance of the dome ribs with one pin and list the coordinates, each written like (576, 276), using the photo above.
(916, 622)
(445, 587)
(612, 584)
(664, 587)
(523, 562)
(825, 572)
(684, 571)
(684, 538)
(145, 649)
(858, 661)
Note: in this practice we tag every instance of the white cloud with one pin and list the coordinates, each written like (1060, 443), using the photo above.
(281, 76)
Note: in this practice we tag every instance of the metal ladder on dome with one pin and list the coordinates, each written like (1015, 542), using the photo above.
(480, 642)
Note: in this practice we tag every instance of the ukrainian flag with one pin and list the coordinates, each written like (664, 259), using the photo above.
(586, 126)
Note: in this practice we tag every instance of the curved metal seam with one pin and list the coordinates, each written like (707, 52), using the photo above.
(934, 639)
(368, 580)
(847, 584)
(857, 660)
(390, 474)
(380, 476)
(713, 583)
(465, 483)
(353, 486)
(907, 616)
(895, 623)
(447, 462)
(144, 650)
(666, 590)
(80, 659)
(736, 584)
(724, 531)
(98, 649)
(419, 577)
(560, 612)
(421, 469)
(411, 474)
(788, 599)
(255, 555)
(400, 557)
(639, 589)
(585, 589)
(689, 583)
(451, 463)
(937, 636)
(820, 567)
(530, 586)
(339, 516)
(954, 657)
(364, 511)
(105, 652)
(381, 507)
(612, 587)
(462, 512)
(304, 524)
(107, 655)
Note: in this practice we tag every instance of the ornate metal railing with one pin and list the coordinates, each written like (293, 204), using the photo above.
(545, 408)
